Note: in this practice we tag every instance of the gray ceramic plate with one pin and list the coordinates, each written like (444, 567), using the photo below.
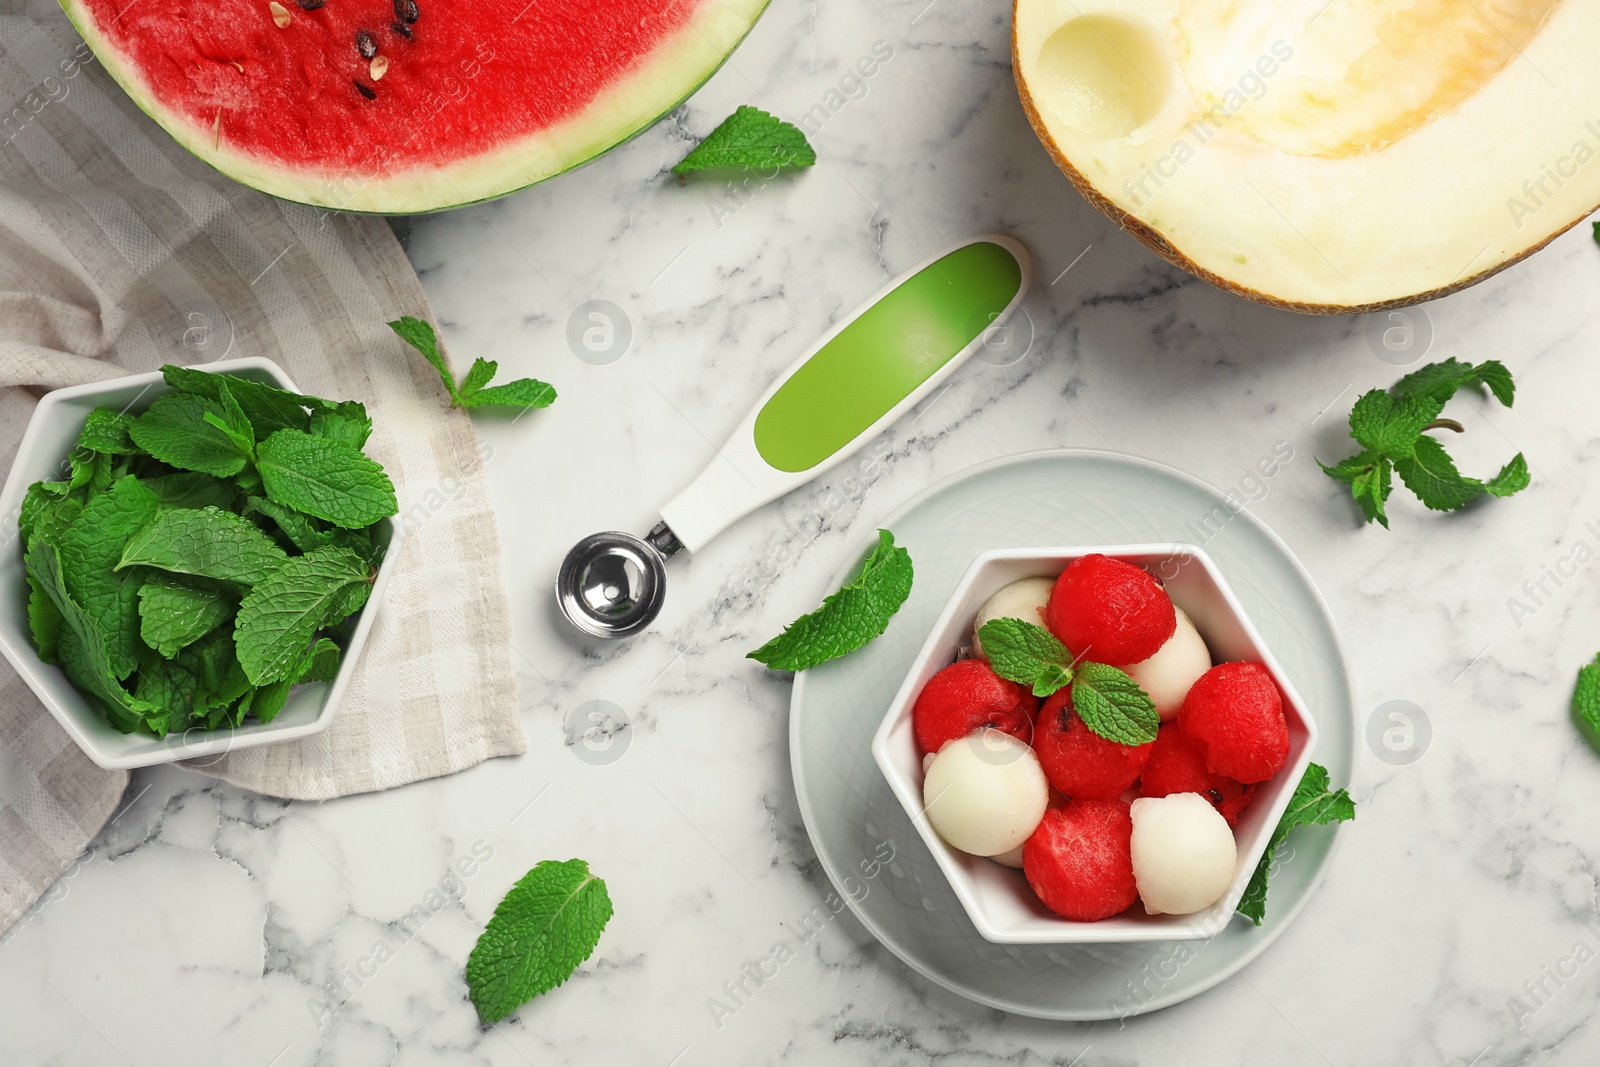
(1034, 500)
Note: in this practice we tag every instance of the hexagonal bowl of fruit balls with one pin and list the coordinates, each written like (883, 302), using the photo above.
(1096, 745)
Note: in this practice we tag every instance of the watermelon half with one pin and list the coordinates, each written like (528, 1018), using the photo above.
(400, 106)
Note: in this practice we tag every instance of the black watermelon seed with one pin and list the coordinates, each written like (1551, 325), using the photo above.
(310, 5)
(365, 44)
(406, 10)
(401, 28)
(366, 91)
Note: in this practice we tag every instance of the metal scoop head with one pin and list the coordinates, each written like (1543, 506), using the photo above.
(613, 584)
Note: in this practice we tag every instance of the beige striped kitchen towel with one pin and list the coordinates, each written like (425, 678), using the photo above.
(120, 252)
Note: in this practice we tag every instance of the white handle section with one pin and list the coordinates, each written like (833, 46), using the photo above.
(738, 480)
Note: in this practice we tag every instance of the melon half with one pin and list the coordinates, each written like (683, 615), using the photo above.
(1323, 155)
(400, 106)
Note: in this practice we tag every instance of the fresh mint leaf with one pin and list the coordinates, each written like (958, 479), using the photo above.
(83, 653)
(1027, 654)
(1112, 705)
(44, 621)
(420, 335)
(268, 408)
(205, 543)
(1313, 804)
(750, 138)
(190, 489)
(348, 422)
(475, 390)
(174, 613)
(279, 616)
(106, 431)
(90, 550)
(51, 519)
(172, 689)
(234, 423)
(849, 618)
(323, 663)
(548, 924)
(1586, 701)
(1392, 428)
(175, 431)
(301, 530)
(522, 393)
(324, 478)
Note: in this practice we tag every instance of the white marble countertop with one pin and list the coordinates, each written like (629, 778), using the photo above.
(207, 926)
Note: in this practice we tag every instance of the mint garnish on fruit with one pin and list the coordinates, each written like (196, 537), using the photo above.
(1392, 427)
(750, 138)
(548, 924)
(1029, 655)
(1110, 703)
(849, 618)
(1313, 804)
(474, 390)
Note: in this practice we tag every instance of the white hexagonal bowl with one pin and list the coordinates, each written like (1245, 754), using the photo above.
(998, 899)
(50, 435)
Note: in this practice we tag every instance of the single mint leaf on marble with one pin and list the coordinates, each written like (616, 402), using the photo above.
(419, 335)
(548, 924)
(1586, 701)
(83, 654)
(849, 618)
(1027, 654)
(174, 613)
(750, 138)
(278, 618)
(325, 478)
(175, 431)
(1112, 705)
(205, 543)
(91, 549)
(478, 375)
(1313, 804)
(474, 390)
(1513, 478)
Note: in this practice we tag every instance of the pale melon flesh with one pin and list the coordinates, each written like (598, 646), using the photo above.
(1323, 155)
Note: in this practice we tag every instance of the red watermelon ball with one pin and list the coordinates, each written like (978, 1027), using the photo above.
(1177, 764)
(1236, 714)
(1078, 761)
(1109, 611)
(1079, 860)
(966, 695)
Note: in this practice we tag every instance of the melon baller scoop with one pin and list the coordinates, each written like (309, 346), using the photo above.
(867, 371)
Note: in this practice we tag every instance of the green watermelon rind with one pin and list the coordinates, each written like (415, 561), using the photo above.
(473, 179)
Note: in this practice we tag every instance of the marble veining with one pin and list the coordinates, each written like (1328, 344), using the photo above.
(1459, 923)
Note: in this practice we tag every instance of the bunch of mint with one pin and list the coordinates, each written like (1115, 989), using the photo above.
(1391, 426)
(205, 556)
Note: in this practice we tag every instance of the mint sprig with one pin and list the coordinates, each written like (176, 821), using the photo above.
(750, 138)
(1027, 654)
(849, 618)
(1110, 703)
(1313, 804)
(1391, 427)
(474, 390)
(548, 924)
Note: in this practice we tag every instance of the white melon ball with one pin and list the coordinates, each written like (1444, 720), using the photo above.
(1023, 599)
(1183, 853)
(1010, 859)
(985, 793)
(1176, 666)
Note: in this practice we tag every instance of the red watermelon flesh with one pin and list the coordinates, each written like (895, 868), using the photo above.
(468, 100)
